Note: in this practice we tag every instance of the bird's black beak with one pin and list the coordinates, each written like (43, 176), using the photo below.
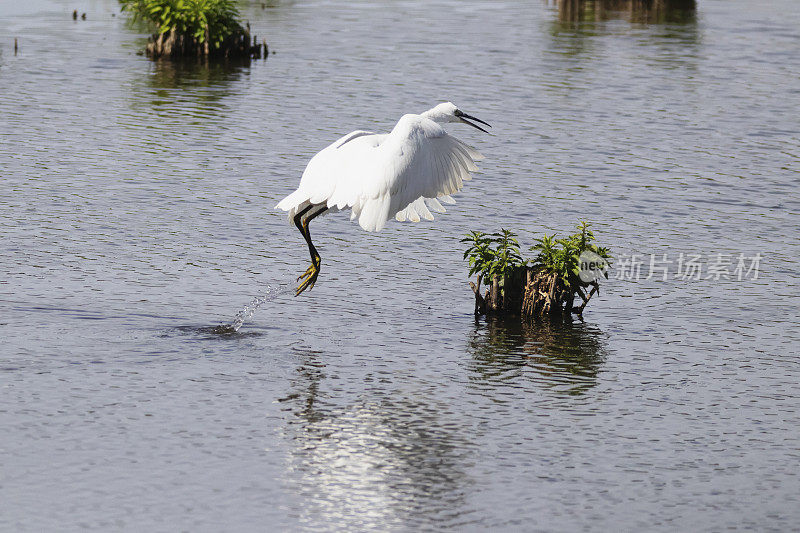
(464, 117)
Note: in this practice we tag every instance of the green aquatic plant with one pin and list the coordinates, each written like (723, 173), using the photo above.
(195, 28)
(492, 255)
(562, 256)
(507, 255)
(479, 254)
(545, 286)
(202, 20)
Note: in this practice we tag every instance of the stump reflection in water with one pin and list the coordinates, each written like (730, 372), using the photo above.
(565, 356)
(188, 91)
(192, 74)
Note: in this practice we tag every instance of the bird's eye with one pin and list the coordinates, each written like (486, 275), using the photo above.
(457, 112)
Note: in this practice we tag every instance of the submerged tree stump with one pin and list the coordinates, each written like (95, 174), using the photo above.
(173, 45)
(532, 293)
(650, 11)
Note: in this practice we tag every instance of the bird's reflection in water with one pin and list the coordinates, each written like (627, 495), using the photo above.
(381, 457)
(563, 357)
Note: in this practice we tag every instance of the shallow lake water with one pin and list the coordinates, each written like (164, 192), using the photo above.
(137, 213)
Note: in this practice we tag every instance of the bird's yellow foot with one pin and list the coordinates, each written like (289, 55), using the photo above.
(309, 278)
(306, 273)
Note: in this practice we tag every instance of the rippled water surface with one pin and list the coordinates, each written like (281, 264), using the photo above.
(137, 216)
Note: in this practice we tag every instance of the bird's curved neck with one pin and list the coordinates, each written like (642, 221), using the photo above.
(431, 114)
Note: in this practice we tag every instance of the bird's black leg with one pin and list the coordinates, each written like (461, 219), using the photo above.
(315, 258)
(298, 218)
(312, 273)
(298, 221)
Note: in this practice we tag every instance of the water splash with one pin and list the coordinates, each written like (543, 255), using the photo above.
(246, 313)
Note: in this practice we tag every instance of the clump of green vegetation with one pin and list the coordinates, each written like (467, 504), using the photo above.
(562, 256)
(193, 27)
(203, 19)
(543, 287)
(492, 255)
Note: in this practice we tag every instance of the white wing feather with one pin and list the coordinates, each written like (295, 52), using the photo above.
(438, 165)
(404, 174)
(329, 170)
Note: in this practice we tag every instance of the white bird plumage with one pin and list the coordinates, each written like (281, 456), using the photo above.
(404, 174)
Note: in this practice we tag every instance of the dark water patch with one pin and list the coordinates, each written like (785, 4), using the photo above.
(221, 331)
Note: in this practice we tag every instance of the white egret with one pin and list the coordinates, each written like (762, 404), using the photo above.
(402, 174)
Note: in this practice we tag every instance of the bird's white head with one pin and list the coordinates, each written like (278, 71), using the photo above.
(448, 112)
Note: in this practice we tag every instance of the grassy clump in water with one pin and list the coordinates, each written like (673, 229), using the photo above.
(492, 255)
(545, 286)
(561, 257)
(192, 27)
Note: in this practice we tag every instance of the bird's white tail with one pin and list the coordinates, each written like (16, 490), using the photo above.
(294, 203)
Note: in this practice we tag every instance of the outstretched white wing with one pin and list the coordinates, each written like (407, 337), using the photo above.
(438, 166)
(404, 174)
(414, 167)
(328, 170)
